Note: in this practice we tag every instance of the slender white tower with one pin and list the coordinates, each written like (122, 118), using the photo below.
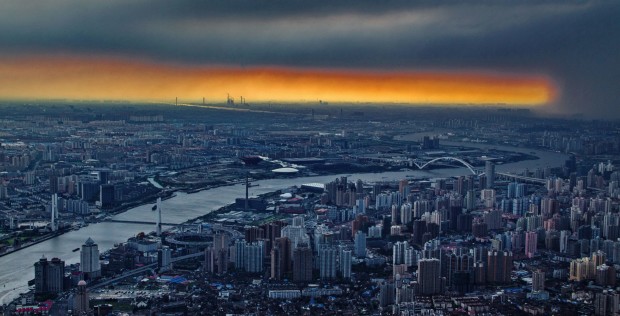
(158, 228)
(54, 212)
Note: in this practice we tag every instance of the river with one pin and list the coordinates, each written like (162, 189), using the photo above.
(17, 268)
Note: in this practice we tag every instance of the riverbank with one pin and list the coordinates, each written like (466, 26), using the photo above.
(16, 269)
(115, 211)
(32, 243)
(317, 171)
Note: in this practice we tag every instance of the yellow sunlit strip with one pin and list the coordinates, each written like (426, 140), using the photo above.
(85, 78)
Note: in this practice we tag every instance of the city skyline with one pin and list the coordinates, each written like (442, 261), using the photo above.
(135, 203)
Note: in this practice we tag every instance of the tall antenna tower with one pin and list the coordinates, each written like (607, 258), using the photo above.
(158, 224)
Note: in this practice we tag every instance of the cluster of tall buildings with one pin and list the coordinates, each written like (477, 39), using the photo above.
(50, 276)
(290, 255)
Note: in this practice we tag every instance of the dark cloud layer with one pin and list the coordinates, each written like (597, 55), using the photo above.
(575, 43)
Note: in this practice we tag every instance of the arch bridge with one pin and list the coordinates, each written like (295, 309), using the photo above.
(461, 161)
(479, 172)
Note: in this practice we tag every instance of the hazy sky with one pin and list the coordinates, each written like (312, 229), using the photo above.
(564, 54)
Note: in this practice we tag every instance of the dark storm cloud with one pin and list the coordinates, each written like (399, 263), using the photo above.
(576, 43)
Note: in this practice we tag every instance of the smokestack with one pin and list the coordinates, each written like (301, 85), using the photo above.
(176, 101)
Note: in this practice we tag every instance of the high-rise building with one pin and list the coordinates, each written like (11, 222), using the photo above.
(359, 223)
(89, 260)
(470, 200)
(405, 213)
(80, 306)
(399, 270)
(489, 171)
(272, 231)
(210, 259)
(222, 260)
(296, 234)
(376, 190)
(429, 276)
(531, 243)
(49, 275)
(253, 234)
(106, 195)
(598, 257)
(302, 263)
(605, 275)
(103, 176)
(459, 185)
(254, 256)
(164, 259)
(538, 281)
(581, 269)
(403, 187)
(327, 262)
(493, 219)
(464, 223)
(398, 252)
(4, 193)
(360, 244)
(480, 275)
(606, 303)
(220, 252)
(395, 215)
(89, 190)
(499, 266)
(280, 258)
(387, 294)
(488, 197)
(511, 191)
(521, 189)
(410, 256)
(345, 264)
(240, 254)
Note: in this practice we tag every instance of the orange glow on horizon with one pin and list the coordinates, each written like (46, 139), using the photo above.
(114, 79)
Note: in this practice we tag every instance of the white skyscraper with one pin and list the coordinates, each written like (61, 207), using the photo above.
(89, 260)
(54, 225)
